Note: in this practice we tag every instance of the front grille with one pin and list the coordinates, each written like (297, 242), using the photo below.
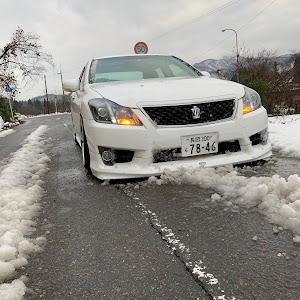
(167, 155)
(183, 114)
(175, 154)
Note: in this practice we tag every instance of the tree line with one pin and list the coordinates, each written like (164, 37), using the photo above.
(33, 107)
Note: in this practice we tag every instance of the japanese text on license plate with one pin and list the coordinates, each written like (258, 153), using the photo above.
(199, 144)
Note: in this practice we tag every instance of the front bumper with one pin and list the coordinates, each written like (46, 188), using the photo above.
(146, 140)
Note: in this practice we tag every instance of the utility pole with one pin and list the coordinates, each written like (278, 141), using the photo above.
(61, 79)
(47, 96)
(62, 87)
(237, 54)
(55, 104)
(9, 90)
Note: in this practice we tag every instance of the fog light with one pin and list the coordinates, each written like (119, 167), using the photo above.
(107, 155)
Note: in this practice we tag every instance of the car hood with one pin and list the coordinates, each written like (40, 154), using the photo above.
(167, 91)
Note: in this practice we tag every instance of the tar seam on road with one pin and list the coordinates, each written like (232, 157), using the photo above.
(180, 251)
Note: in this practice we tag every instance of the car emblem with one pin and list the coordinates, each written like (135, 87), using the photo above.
(196, 112)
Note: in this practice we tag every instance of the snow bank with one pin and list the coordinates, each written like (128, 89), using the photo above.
(20, 185)
(284, 135)
(6, 132)
(48, 115)
(276, 198)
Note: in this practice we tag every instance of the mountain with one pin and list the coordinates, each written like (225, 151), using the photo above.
(51, 97)
(227, 65)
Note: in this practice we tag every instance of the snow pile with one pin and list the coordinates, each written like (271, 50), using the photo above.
(6, 132)
(284, 135)
(276, 198)
(20, 185)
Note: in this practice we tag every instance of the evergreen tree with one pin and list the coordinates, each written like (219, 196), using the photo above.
(5, 110)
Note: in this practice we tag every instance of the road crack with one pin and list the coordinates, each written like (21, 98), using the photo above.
(195, 268)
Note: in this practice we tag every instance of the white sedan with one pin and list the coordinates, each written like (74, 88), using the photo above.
(137, 115)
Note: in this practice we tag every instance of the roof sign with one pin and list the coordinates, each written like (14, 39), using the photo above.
(141, 48)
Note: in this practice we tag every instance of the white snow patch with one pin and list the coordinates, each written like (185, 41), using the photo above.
(13, 291)
(6, 270)
(215, 197)
(20, 185)
(287, 211)
(7, 253)
(6, 132)
(296, 239)
(284, 134)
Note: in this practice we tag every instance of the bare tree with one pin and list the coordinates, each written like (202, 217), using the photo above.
(269, 78)
(22, 59)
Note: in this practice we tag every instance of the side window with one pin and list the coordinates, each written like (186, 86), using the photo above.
(81, 79)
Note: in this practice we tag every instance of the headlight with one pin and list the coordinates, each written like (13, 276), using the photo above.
(251, 101)
(105, 111)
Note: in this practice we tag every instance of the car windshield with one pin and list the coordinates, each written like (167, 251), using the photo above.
(139, 67)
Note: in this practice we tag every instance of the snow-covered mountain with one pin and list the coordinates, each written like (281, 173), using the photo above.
(226, 65)
(212, 65)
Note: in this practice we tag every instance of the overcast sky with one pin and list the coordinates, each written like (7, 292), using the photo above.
(74, 31)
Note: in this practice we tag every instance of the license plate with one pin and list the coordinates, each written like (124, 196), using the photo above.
(199, 144)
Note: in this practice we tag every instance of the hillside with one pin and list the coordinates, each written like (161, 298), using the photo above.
(226, 65)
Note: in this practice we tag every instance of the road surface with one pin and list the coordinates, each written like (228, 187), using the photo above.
(129, 240)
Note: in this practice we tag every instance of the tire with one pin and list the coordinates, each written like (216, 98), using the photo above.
(86, 159)
(74, 137)
(74, 132)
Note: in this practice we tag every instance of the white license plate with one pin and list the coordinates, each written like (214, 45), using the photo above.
(199, 144)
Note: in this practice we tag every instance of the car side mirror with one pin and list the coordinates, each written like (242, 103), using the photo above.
(204, 73)
(71, 85)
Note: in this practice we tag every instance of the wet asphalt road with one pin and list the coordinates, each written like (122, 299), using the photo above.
(115, 241)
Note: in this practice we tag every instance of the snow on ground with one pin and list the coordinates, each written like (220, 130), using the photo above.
(6, 132)
(21, 189)
(284, 135)
(276, 198)
(48, 115)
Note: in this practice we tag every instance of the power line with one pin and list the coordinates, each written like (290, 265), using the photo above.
(262, 11)
(188, 23)
(194, 20)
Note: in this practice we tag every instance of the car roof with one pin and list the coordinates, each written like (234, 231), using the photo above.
(126, 55)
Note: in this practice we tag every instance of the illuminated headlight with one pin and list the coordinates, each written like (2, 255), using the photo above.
(106, 111)
(251, 101)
